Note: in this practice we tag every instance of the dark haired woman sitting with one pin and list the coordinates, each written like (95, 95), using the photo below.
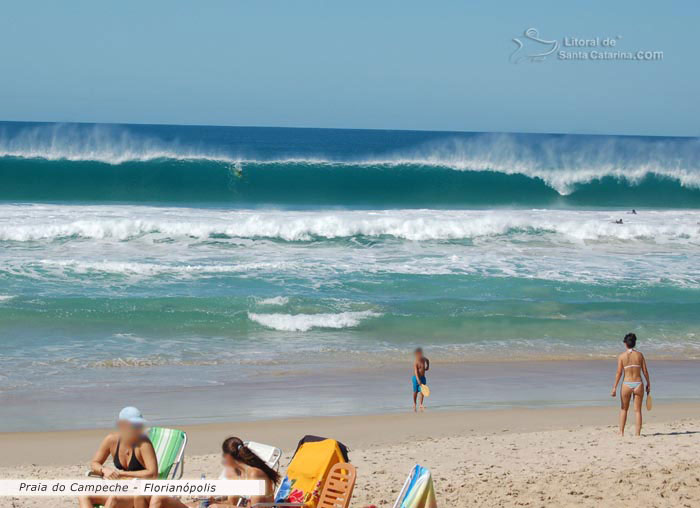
(240, 463)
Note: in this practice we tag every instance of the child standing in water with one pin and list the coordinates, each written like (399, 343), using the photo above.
(421, 364)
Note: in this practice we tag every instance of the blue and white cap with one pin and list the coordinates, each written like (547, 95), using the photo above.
(132, 415)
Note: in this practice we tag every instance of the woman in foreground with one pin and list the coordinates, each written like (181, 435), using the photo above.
(632, 364)
(133, 456)
(240, 463)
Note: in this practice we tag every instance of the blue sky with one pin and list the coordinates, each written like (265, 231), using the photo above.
(406, 64)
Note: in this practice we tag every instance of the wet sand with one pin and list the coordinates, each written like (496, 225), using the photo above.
(337, 390)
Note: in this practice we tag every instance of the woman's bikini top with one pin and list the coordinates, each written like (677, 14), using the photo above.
(629, 352)
(134, 464)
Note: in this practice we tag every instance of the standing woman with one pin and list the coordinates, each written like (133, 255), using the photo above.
(133, 456)
(632, 364)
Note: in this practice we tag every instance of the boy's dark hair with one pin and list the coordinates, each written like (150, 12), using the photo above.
(630, 340)
(418, 350)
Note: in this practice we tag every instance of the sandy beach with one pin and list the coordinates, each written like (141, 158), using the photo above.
(514, 457)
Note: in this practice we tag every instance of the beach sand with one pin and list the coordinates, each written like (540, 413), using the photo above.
(512, 457)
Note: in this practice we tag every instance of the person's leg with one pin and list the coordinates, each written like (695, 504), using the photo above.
(166, 502)
(120, 502)
(638, 399)
(84, 502)
(141, 502)
(414, 383)
(625, 395)
(422, 397)
(90, 502)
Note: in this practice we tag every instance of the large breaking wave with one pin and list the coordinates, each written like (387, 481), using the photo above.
(56, 162)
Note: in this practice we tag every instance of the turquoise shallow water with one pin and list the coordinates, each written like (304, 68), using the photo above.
(178, 256)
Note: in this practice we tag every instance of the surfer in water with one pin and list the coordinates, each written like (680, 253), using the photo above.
(237, 170)
(421, 365)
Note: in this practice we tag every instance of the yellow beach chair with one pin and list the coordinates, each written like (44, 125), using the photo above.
(319, 471)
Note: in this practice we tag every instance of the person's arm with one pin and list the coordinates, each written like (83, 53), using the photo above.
(427, 365)
(96, 464)
(149, 461)
(267, 498)
(618, 375)
(646, 373)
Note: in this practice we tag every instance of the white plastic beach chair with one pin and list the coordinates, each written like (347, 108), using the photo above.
(269, 454)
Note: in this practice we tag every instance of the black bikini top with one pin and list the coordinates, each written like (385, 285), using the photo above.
(134, 464)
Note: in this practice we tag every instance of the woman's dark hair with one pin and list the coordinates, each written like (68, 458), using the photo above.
(234, 447)
(630, 340)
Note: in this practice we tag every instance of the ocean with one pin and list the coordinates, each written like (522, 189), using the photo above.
(185, 259)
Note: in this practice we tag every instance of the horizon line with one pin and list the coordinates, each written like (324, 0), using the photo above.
(444, 131)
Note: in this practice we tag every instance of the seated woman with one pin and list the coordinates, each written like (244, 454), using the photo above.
(630, 366)
(133, 456)
(240, 463)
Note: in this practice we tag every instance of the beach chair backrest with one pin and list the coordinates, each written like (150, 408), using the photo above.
(169, 445)
(418, 490)
(406, 485)
(269, 454)
(337, 490)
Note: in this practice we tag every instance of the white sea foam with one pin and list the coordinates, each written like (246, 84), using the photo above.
(134, 243)
(305, 322)
(153, 269)
(276, 300)
(115, 223)
(5, 298)
(101, 143)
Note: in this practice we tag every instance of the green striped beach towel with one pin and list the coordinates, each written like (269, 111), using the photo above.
(169, 445)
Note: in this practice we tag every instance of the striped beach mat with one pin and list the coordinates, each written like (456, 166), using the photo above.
(169, 445)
